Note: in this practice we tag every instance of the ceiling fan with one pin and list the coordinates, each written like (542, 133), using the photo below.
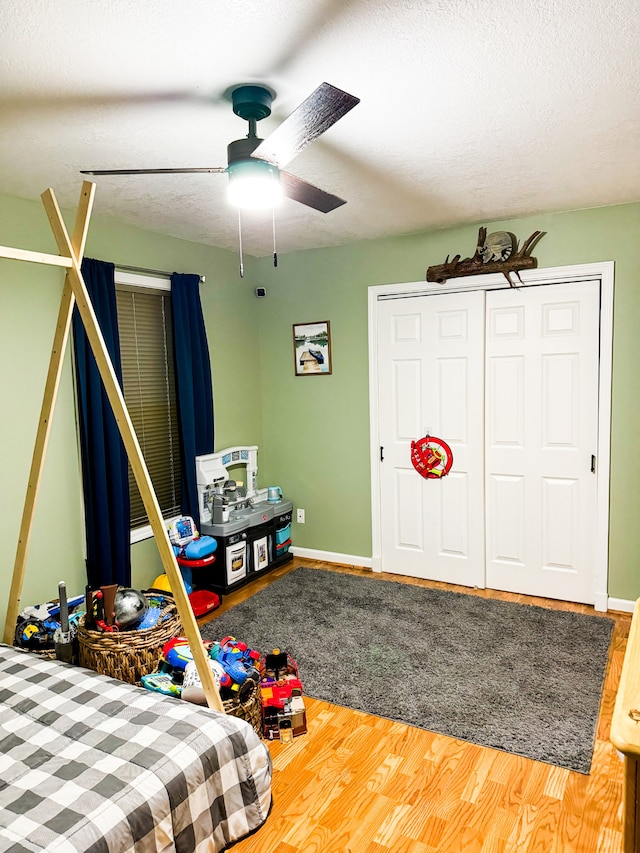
(254, 165)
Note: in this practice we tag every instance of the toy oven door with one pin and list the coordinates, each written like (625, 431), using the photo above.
(236, 562)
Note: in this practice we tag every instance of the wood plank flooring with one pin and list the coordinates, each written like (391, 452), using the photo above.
(361, 784)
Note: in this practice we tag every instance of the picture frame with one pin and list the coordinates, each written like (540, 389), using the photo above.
(312, 348)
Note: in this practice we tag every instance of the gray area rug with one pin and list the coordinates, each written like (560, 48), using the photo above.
(523, 679)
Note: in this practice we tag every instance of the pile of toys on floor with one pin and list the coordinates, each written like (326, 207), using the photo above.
(238, 672)
(51, 627)
(283, 711)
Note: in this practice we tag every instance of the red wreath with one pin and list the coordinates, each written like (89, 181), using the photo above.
(431, 457)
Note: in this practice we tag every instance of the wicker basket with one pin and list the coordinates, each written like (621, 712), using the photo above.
(251, 710)
(128, 655)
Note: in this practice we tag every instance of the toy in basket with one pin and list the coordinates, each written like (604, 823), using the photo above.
(122, 636)
(283, 712)
(234, 669)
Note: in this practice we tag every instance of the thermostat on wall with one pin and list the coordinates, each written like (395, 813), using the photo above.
(261, 291)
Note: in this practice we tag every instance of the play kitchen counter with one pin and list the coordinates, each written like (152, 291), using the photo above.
(625, 734)
(250, 545)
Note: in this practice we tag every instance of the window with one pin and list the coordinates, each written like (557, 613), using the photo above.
(146, 347)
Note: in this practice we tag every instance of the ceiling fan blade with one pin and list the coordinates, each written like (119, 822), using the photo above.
(150, 171)
(306, 193)
(317, 113)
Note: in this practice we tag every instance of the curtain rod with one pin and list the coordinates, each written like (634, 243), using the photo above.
(163, 273)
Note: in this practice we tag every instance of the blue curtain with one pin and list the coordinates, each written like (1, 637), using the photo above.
(193, 383)
(104, 459)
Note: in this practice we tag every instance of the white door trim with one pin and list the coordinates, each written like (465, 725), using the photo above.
(604, 271)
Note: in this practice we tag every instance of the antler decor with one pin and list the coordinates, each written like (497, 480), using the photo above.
(496, 253)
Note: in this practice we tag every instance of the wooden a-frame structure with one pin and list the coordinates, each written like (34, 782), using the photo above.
(75, 293)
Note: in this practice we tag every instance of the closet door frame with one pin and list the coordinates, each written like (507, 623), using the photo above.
(602, 271)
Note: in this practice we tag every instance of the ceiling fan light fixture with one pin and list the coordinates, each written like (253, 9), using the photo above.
(254, 185)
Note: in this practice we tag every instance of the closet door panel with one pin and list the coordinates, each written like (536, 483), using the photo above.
(431, 380)
(541, 410)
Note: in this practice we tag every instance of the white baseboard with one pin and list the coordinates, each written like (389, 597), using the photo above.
(622, 604)
(601, 603)
(332, 557)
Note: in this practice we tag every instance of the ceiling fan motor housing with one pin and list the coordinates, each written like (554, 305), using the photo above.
(252, 102)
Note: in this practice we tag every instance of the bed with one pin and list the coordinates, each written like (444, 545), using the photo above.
(91, 764)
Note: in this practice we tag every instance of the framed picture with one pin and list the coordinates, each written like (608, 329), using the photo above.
(312, 348)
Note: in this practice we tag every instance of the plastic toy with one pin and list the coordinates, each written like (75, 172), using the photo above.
(176, 654)
(275, 695)
(161, 683)
(191, 549)
(282, 707)
(192, 686)
(278, 666)
(203, 601)
(162, 583)
(201, 548)
(157, 603)
(231, 662)
(237, 659)
(187, 578)
(182, 530)
(283, 711)
(36, 625)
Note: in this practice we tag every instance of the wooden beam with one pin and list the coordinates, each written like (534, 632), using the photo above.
(54, 373)
(136, 459)
(35, 257)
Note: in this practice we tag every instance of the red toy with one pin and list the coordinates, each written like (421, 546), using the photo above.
(283, 711)
(195, 564)
(203, 601)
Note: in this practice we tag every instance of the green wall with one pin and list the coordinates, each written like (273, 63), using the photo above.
(313, 433)
(316, 430)
(29, 302)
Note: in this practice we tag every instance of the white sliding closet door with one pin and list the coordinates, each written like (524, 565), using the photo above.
(431, 376)
(541, 432)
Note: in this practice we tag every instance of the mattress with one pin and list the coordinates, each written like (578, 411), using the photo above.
(91, 764)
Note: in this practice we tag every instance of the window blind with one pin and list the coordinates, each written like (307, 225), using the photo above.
(146, 344)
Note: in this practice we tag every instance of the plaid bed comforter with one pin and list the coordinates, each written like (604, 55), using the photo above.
(90, 764)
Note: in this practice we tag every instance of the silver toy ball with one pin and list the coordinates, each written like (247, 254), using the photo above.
(130, 607)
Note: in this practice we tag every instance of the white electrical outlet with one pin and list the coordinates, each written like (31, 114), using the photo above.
(300, 516)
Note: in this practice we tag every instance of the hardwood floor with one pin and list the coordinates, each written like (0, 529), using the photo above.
(361, 784)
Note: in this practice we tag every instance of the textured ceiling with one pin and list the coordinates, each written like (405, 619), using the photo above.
(471, 110)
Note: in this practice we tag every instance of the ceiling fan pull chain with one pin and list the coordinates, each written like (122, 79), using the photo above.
(240, 242)
(275, 252)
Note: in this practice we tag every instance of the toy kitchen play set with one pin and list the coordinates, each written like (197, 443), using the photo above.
(251, 526)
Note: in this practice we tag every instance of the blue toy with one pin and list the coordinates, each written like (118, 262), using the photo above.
(237, 659)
